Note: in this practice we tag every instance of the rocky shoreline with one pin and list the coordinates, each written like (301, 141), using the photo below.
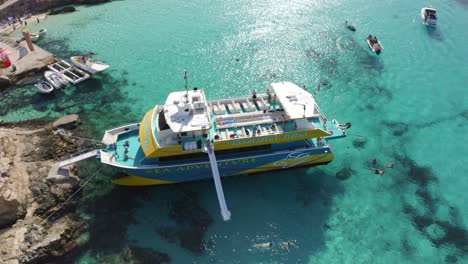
(28, 198)
(20, 7)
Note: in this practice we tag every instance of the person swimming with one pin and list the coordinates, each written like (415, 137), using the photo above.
(264, 245)
(286, 245)
(377, 171)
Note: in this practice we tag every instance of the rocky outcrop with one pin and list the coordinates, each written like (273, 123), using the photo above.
(27, 197)
(65, 9)
(20, 7)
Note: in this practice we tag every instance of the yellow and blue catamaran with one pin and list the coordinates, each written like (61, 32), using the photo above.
(190, 138)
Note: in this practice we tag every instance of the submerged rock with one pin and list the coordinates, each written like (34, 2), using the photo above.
(66, 9)
(140, 255)
(192, 222)
(359, 143)
(435, 232)
(344, 173)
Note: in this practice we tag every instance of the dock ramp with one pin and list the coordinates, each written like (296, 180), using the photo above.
(70, 73)
(58, 168)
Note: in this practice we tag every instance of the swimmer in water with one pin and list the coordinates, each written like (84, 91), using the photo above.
(286, 245)
(264, 245)
(377, 171)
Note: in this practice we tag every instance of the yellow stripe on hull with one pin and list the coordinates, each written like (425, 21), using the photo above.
(132, 180)
(291, 163)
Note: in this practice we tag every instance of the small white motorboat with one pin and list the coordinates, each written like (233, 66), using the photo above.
(44, 87)
(56, 79)
(88, 64)
(429, 16)
(374, 44)
(42, 31)
(34, 37)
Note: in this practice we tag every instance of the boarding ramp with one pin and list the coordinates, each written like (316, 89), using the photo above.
(70, 73)
(208, 148)
(59, 167)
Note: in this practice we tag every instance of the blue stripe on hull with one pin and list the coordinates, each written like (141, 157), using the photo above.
(227, 167)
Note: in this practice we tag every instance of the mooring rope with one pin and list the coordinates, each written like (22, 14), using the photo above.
(71, 197)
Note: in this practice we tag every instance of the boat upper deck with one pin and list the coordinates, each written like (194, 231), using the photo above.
(186, 111)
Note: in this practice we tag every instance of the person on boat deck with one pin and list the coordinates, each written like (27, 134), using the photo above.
(254, 94)
(269, 95)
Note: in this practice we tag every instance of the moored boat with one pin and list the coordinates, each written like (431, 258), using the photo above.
(44, 87)
(56, 79)
(34, 37)
(429, 16)
(374, 44)
(88, 64)
(42, 31)
(70, 73)
(280, 129)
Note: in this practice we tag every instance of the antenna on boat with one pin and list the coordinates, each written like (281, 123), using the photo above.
(303, 106)
(186, 85)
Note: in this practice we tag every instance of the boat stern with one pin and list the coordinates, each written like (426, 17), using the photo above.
(337, 130)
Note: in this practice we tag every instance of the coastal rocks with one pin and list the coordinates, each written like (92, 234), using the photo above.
(65, 9)
(26, 197)
(30, 242)
(68, 121)
(4, 82)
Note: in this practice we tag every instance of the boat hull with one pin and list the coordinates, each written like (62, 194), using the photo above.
(187, 171)
(427, 21)
(98, 67)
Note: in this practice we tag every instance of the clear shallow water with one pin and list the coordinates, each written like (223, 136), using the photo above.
(407, 106)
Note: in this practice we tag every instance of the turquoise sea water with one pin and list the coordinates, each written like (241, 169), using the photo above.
(407, 106)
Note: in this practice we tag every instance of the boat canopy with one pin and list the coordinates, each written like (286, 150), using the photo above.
(186, 111)
(297, 102)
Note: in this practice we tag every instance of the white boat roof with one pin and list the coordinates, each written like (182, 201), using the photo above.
(297, 102)
(184, 115)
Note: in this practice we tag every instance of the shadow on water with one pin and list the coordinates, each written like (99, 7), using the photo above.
(434, 33)
(109, 210)
(302, 198)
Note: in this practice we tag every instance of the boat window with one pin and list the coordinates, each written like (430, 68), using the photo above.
(218, 153)
(162, 124)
